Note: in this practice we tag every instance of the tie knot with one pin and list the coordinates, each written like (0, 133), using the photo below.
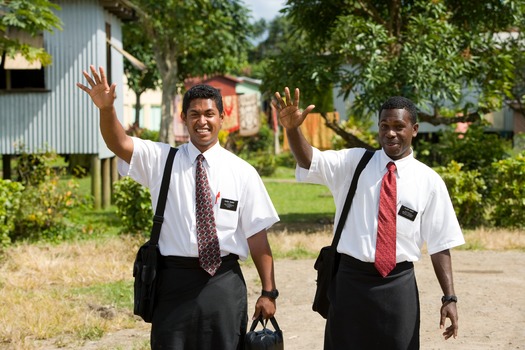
(200, 158)
(391, 166)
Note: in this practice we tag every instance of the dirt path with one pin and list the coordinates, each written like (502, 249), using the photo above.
(490, 286)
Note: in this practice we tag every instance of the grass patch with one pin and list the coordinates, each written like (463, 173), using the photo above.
(301, 203)
(118, 294)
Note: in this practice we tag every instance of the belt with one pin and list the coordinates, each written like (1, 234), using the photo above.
(366, 266)
(183, 262)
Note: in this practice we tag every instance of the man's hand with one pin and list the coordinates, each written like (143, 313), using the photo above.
(101, 93)
(448, 310)
(288, 111)
(265, 306)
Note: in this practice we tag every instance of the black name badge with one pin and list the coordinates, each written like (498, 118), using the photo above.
(408, 213)
(229, 204)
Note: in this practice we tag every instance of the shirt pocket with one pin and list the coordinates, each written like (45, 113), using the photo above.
(226, 220)
(407, 221)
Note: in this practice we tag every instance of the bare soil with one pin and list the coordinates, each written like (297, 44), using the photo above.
(490, 286)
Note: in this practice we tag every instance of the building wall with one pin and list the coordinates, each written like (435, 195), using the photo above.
(63, 118)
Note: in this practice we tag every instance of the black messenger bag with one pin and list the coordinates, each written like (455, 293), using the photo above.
(145, 267)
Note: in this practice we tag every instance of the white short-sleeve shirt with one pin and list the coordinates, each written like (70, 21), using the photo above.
(425, 211)
(242, 204)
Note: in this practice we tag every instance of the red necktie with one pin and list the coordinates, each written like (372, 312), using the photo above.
(386, 223)
(207, 240)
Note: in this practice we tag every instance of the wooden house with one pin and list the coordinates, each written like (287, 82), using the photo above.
(42, 109)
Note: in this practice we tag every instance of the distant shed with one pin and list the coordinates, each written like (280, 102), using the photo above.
(42, 109)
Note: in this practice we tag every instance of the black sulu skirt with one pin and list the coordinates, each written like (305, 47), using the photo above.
(195, 311)
(368, 311)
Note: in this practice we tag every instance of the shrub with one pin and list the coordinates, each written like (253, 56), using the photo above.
(45, 200)
(133, 202)
(10, 194)
(475, 149)
(508, 192)
(43, 211)
(465, 188)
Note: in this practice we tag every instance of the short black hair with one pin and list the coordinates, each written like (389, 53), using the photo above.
(400, 102)
(202, 91)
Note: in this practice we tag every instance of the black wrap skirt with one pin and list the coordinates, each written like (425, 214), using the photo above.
(368, 311)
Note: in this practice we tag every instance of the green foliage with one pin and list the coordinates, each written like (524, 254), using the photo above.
(256, 150)
(143, 133)
(45, 201)
(133, 202)
(437, 53)
(31, 17)
(10, 194)
(465, 188)
(508, 192)
(263, 162)
(475, 150)
(285, 159)
(191, 39)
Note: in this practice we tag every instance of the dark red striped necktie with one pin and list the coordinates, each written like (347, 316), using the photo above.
(207, 240)
(386, 223)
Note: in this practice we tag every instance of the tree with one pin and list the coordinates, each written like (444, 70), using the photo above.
(139, 78)
(29, 16)
(192, 38)
(446, 55)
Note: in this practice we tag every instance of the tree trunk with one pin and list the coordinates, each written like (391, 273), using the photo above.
(168, 70)
(137, 108)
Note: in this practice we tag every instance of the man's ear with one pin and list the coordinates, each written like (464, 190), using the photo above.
(183, 116)
(415, 129)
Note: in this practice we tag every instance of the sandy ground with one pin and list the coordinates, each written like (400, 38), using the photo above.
(490, 287)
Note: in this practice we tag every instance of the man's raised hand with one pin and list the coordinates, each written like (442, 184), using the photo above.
(288, 110)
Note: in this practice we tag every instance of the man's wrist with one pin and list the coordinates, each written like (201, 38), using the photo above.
(272, 294)
(449, 298)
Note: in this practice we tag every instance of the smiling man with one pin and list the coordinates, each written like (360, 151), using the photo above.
(399, 205)
(201, 292)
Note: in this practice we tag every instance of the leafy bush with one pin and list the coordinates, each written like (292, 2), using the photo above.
(475, 149)
(143, 133)
(508, 192)
(10, 194)
(45, 200)
(258, 150)
(263, 162)
(465, 188)
(133, 202)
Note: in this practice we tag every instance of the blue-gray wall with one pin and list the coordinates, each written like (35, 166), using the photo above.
(63, 119)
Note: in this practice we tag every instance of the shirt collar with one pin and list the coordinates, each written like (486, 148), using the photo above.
(211, 155)
(401, 164)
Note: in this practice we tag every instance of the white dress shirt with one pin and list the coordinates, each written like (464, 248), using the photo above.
(242, 205)
(425, 211)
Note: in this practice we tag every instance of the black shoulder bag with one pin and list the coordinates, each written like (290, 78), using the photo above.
(327, 262)
(146, 261)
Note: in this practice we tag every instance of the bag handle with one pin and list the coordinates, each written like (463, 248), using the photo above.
(275, 325)
(348, 202)
(158, 218)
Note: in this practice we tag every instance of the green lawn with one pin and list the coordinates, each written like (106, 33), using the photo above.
(299, 202)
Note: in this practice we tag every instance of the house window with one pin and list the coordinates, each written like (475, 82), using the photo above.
(16, 72)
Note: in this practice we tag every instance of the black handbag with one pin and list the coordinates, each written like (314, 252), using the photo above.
(327, 262)
(147, 259)
(264, 339)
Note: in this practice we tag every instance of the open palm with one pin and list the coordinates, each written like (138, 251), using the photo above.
(288, 110)
(100, 92)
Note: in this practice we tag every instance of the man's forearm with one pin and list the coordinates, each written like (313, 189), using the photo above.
(442, 263)
(114, 134)
(262, 258)
(301, 149)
